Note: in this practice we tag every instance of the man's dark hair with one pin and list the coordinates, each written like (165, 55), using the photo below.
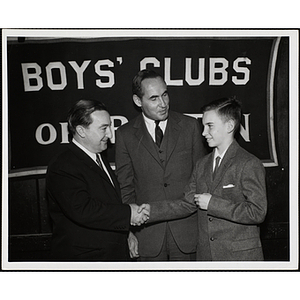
(228, 109)
(80, 114)
(137, 81)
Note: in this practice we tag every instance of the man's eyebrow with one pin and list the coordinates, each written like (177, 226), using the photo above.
(105, 125)
(154, 96)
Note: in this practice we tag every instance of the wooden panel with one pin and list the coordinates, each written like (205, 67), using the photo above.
(29, 247)
(23, 207)
(44, 215)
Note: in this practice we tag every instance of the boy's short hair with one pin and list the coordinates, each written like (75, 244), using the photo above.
(228, 109)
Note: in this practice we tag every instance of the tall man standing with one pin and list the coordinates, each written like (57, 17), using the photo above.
(155, 155)
(90, 222)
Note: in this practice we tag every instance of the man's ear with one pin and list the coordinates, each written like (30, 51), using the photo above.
(137, 100)
(230, 126)
(80, 131)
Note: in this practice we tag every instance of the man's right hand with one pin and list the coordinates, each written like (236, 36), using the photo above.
(139, 214)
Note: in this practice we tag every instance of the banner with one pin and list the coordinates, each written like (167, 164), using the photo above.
(46, 76)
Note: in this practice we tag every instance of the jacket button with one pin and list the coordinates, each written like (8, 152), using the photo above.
(212, 239)
(210, 219)
(165, 185)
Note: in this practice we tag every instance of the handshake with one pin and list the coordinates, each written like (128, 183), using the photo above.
(139, 214)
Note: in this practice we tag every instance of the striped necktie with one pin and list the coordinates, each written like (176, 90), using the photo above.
(98, 161)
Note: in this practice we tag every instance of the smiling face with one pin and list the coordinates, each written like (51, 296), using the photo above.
(96, 135)
(218, 133)
(155, 100)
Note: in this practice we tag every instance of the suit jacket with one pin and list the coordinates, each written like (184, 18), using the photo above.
(147, 174)
(229, 229)
(90, 222)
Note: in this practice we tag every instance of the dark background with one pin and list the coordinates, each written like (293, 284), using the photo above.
(29, 109)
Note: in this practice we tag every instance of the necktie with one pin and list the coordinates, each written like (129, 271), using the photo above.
(216, 166)
(158, 134)
(99, 161)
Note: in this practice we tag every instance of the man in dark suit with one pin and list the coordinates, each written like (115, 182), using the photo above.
(154, 163)
(90, 222)
(229, 192)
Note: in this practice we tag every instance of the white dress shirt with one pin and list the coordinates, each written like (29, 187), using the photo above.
(216, 154)
(150, 124)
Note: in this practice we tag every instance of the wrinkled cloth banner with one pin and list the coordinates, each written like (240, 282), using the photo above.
(46, 76)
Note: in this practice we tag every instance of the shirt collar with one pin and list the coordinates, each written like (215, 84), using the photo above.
(216, 154)
(88, 152)
(93, 157)
(151, 123)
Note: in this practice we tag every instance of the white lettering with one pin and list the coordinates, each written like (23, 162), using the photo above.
(39, 134)
(213, 70)
(188, 72)
(245, 132)
(168, 80)
(117, 121)
(64, 133)
(102, 73)
(114, 119)
(29, 77)
(239, 69)
(149, 60)
(63, 77)
(218, 74)
(79, 72)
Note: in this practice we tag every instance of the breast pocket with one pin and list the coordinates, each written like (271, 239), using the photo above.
(231, 192)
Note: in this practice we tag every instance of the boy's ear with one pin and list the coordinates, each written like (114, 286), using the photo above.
(230, 126)
(137, 100)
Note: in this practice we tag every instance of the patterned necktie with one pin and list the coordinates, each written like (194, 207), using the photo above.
(216, 166)
(158, 134)
(99, 161)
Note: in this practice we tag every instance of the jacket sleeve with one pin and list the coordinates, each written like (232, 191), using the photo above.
(250, 206)
(178, 208)
(68, 193)
(124, 170)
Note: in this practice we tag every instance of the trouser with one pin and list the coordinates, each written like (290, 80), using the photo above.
(170, 251)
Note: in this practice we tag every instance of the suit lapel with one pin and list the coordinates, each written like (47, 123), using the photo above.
(225, 164)
(112, 176)
(209, 169)
(172, 134)
(144, 137)
(82, 156)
